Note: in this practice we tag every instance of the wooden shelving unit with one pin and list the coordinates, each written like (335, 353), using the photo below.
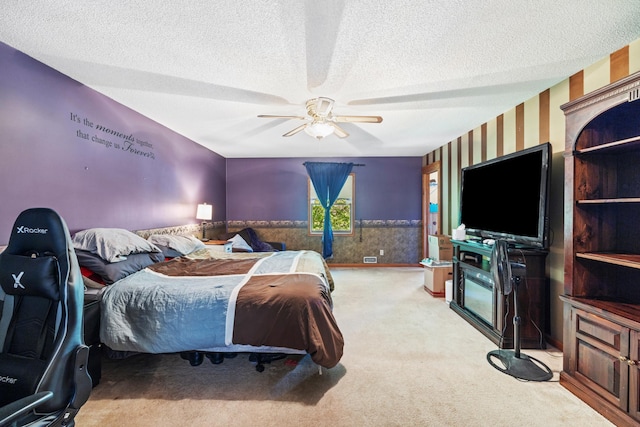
(602, 251)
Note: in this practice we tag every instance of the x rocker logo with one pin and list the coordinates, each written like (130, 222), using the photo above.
(16, 280)
(26, 230)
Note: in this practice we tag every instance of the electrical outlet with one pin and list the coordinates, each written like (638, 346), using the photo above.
(381, 252)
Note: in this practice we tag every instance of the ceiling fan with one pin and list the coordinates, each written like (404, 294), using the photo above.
(320, 120)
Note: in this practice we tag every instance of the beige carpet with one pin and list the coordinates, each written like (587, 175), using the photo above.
(409, 361)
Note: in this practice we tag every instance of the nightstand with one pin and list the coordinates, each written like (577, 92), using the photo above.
(219, 245)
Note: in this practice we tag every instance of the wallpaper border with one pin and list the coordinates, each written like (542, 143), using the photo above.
(303, 224)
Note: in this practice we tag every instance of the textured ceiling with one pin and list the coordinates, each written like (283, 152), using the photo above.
(433, 69)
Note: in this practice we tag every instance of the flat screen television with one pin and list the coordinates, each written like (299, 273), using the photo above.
(508, 197)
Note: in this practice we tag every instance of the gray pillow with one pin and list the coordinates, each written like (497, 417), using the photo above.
(112, 244)
(182, 244)
(113, 271)
(169, 252)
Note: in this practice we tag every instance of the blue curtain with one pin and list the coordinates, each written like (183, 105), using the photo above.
(328, 179)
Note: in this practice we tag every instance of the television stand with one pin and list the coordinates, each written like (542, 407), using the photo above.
(475, 299)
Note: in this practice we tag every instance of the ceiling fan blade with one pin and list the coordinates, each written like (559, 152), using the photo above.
(296, 130)
(338, 131)
(272, 116)
(357, 119)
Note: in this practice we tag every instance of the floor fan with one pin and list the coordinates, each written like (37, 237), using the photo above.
(507, 277)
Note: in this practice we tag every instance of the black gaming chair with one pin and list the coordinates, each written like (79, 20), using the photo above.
(43, 360)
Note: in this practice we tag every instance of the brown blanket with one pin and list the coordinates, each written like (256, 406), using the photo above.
(203, 267)
(293, 311)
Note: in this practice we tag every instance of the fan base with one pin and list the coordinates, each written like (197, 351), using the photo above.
(523, 367)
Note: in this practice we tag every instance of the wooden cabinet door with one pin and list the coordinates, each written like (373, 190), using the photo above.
(599, 343)
(634, 371)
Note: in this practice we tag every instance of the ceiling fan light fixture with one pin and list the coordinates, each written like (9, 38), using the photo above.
(318, 129)
(321, 122)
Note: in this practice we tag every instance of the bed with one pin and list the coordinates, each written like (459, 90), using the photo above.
(204, 300)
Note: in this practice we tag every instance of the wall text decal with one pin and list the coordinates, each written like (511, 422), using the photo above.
(112, 138)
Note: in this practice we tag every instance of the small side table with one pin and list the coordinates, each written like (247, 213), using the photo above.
(435, 276)
(219, 245)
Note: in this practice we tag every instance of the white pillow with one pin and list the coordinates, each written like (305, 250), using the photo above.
(112, 244)
(183, 244)
(239, 243)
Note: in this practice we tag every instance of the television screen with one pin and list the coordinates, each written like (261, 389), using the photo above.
(507, 197)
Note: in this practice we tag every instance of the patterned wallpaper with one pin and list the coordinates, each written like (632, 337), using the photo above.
(400, 240)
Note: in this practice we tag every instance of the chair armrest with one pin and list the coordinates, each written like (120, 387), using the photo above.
(14, 410)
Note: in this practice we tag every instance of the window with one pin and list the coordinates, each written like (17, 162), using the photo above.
(342, 212)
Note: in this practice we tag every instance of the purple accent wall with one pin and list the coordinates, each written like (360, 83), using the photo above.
(387, 188)
(98, 163)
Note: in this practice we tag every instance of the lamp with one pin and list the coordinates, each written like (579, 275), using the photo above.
(204, 212)
(319, 129)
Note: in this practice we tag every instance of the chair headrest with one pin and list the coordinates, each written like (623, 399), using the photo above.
(39, 230)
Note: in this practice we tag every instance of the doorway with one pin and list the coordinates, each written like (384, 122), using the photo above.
(431, 208)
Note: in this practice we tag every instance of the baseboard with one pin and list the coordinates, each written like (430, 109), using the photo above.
(372, 265)
(598, 403)
(557, 344)
(434, 294)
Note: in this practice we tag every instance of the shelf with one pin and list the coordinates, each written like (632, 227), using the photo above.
(475, 267)
(625, 260)
(629, 200)
(631, 144)
(627, 313)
